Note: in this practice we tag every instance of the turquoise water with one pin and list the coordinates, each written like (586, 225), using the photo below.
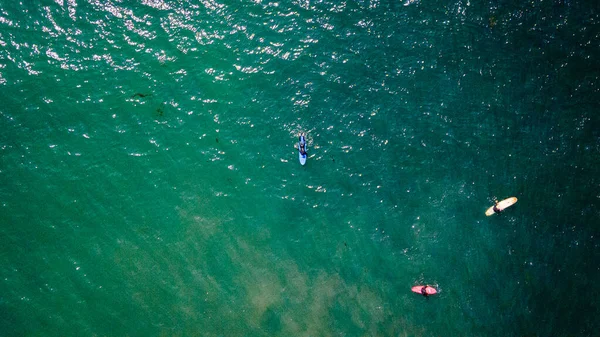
(150, 184)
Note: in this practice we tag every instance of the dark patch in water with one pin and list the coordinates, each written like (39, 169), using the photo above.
(271, 322)
(160, 111)
(139, 94)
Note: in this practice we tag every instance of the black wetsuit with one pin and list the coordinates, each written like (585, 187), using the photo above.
(424, 291)
(496, 210)
(302, 141)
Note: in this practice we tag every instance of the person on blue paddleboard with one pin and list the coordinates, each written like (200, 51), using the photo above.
(302, 143)
(302, 155)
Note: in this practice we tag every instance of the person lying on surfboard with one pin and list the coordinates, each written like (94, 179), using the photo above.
(424, 291)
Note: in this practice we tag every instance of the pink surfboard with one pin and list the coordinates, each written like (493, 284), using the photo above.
(430, 290)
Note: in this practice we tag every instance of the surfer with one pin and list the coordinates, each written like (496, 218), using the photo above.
(302, 144)
(496, 209)
(424, 290)
(302, 156)
(500, 206)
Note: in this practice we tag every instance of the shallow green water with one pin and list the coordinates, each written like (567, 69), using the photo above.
(150, 185)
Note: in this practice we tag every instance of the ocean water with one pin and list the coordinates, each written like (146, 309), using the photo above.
(150, 185)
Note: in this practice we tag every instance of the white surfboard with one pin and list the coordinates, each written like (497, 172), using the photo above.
(501, 206)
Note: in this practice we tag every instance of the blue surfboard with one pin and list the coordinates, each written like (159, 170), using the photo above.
(302, 144)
